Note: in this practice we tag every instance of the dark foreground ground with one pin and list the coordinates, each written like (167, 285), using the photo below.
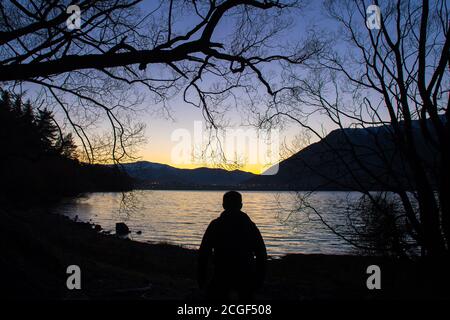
(36, 248)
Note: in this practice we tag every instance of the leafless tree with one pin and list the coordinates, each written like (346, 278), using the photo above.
(395, 78)
(212, 52)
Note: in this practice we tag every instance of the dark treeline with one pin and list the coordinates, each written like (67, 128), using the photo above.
(38, 161)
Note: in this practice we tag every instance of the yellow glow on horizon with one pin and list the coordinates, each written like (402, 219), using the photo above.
(255, 169)
(162, 155)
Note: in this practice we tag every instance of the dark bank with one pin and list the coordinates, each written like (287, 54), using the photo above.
(37, 247)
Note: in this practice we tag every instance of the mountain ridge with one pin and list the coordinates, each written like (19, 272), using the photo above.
(345, 159)
(152, 174)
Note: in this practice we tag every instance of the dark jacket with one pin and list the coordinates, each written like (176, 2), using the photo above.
(238, 252)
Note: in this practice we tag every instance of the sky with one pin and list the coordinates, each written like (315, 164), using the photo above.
(162, 131)
(179, 137)
(170, 139)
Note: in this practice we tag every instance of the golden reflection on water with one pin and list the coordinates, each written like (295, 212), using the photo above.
(181, 217)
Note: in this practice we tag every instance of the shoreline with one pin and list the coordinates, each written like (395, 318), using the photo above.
(244, 188)
(38, 246)
(152, 220)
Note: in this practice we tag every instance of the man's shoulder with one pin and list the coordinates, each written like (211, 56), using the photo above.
(247, 217)
(214, 222)
(240, 216)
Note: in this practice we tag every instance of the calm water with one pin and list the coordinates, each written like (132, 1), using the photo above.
(181, 217)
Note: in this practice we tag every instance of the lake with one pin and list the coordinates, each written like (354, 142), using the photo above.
(181, 217)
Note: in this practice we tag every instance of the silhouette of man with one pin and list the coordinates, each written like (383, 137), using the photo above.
(238, 252)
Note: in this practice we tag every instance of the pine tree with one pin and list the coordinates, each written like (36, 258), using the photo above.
(6, 101)
(48, 131)
(67, 147)
(17, 107)
(28, 114)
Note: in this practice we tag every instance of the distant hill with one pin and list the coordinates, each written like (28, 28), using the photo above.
(333, 164)
(153, 175)
(330, 164)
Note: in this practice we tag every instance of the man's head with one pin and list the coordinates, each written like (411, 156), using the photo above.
(232, 200)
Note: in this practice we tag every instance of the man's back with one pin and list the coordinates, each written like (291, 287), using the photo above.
(239, 255)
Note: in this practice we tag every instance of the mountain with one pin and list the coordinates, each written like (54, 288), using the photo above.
(152, 175)
(346, 159)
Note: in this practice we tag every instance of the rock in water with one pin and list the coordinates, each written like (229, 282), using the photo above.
(122, 229)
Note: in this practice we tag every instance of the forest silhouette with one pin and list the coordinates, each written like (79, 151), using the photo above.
(39, 161)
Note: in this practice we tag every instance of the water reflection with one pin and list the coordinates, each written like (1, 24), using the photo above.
(181, 217)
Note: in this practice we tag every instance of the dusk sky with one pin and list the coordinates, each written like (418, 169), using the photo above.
(163, 123)
(160, 126)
